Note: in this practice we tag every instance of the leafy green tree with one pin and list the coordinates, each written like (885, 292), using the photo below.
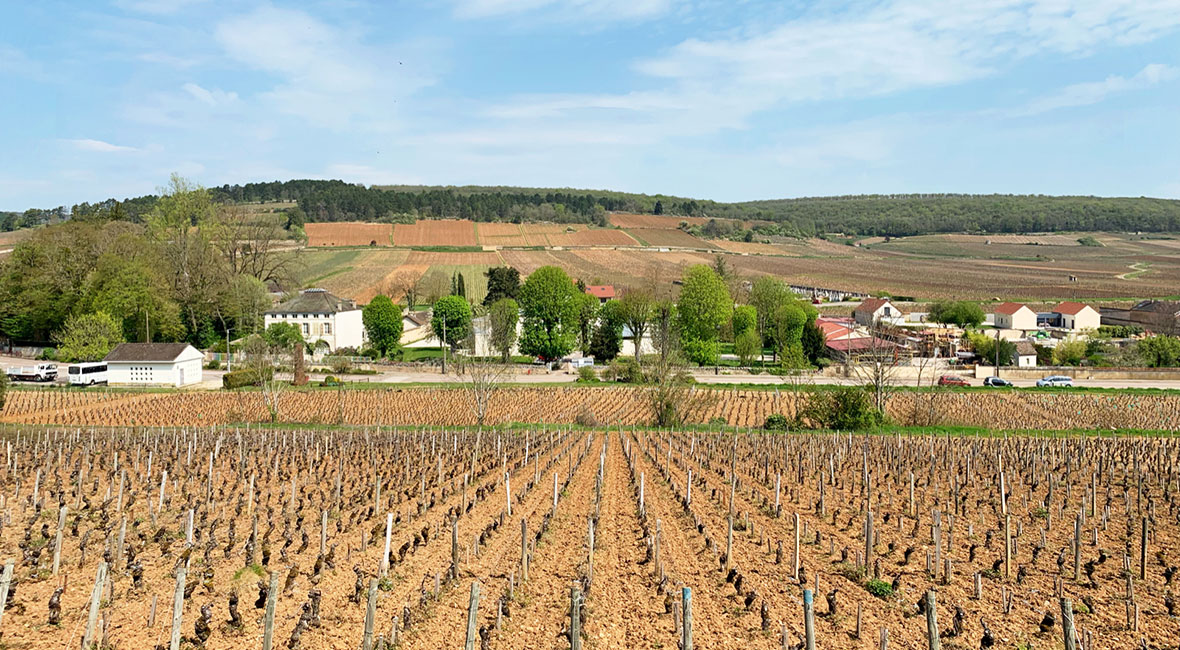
(88, 337)
(549, 302)
(985, 349)
(787, 326)
(504, 315)
(383, 324)
(635, 308)
(745, 317)
(1159, 351)
(607, 339)
(956, 312)
(766, 295)
(815, 344)
(1069, 353)
(282, 336)
(503, 282)
(659, 209)
(451, 320)
(3, 388)
(587, 314)
(704, 306)
(133, 292)
(747, 345)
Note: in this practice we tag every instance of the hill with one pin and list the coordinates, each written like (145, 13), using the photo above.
(860, 216)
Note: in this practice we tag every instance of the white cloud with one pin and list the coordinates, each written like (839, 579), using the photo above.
(1093, 92)
(704, 84)
(566, 9)
(156, 7)
(215, 97)
(326, 75)
(98, 146)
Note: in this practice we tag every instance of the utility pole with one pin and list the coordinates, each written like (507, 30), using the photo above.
(997, 352)
(444, 346)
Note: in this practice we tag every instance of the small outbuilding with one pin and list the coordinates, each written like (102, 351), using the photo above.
(1014, 316)
(1077, 316)
(1025, 355)
(874, 310)
(154, 364)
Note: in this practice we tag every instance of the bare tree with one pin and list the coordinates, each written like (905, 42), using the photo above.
(876, 366)
(253, 244)
(261, 360)
(481, 380)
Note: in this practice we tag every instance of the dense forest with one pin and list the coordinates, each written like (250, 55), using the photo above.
(866, 215)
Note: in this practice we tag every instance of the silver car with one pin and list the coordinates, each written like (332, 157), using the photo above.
(1058, 381)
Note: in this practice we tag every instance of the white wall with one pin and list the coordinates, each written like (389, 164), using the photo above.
(345, 329)
(155, 374)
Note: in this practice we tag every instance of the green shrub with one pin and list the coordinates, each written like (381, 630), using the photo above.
(879, 588)
(330, 380)
(213, 365)
(850, 571)
(845, 408)
(240, 378)
(586, 373)
(1089, 240)
(624, 369)
(777, 422)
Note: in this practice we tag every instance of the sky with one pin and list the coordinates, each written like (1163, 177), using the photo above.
(728, 100)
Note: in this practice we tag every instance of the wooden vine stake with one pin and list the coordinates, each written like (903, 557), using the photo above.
(268, 623)
(5, 583)
(1067, 628)
(177, 606)
(931, 621)
(100, 577)
(575, 618)
(808, 620)
(686, 620)
(370, 616)
(472, 617)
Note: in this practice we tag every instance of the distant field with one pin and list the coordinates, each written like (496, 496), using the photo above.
(349, 233)
(663, 237)
(1126, 267)
(435, 232)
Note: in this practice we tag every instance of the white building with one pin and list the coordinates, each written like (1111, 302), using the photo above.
(1025, 355)
(1014, 316)
(154, 364)
(321, 316)
(1076, 316)
(877, 310)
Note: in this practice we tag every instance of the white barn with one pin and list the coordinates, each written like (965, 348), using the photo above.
(154, 364)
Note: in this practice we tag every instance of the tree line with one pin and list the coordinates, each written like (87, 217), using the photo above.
(865, 215)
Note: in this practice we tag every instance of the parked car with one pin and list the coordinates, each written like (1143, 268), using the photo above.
(952, 380)
(1059, 381)
(997, 382)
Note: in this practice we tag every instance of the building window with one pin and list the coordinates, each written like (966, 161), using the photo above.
(306, 329)
(327, 328)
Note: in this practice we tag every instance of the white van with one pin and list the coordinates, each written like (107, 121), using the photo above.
(87, 374)
(579, 362)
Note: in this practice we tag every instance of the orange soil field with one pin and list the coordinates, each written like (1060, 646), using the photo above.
(348, 233)
(671, 238)
(626, 405)
(233, 509)
(592, 237)
(501, 234)
(372, 272)
(751, 248)
(435, 232)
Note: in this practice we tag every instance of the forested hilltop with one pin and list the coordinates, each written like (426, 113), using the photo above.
(865, 215)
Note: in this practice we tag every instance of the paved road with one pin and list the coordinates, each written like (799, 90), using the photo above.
(212, 378)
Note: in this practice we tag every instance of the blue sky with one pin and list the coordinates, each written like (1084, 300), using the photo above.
(721, 99)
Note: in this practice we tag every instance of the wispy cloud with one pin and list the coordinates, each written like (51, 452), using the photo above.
(704, 84)
(601, 10)
(98, 146)
(326, 75)
(1093, 92)
(214, 97)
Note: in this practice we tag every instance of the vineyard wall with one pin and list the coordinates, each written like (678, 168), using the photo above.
(1148, 374)
(585, 405)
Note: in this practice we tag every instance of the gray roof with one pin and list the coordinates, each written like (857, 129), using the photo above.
(146, 352)
(313, 301)
(1025, 348)
(1158, 306)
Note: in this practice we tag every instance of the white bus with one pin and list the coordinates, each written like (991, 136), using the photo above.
(88, 374)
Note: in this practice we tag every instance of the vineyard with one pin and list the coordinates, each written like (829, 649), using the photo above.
(615, 537)
(566, 405)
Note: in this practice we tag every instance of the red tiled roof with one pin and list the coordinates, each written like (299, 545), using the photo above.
(1070, 308)
(601, 291)
(855, 345)
(1008, 308)
(870, 305)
